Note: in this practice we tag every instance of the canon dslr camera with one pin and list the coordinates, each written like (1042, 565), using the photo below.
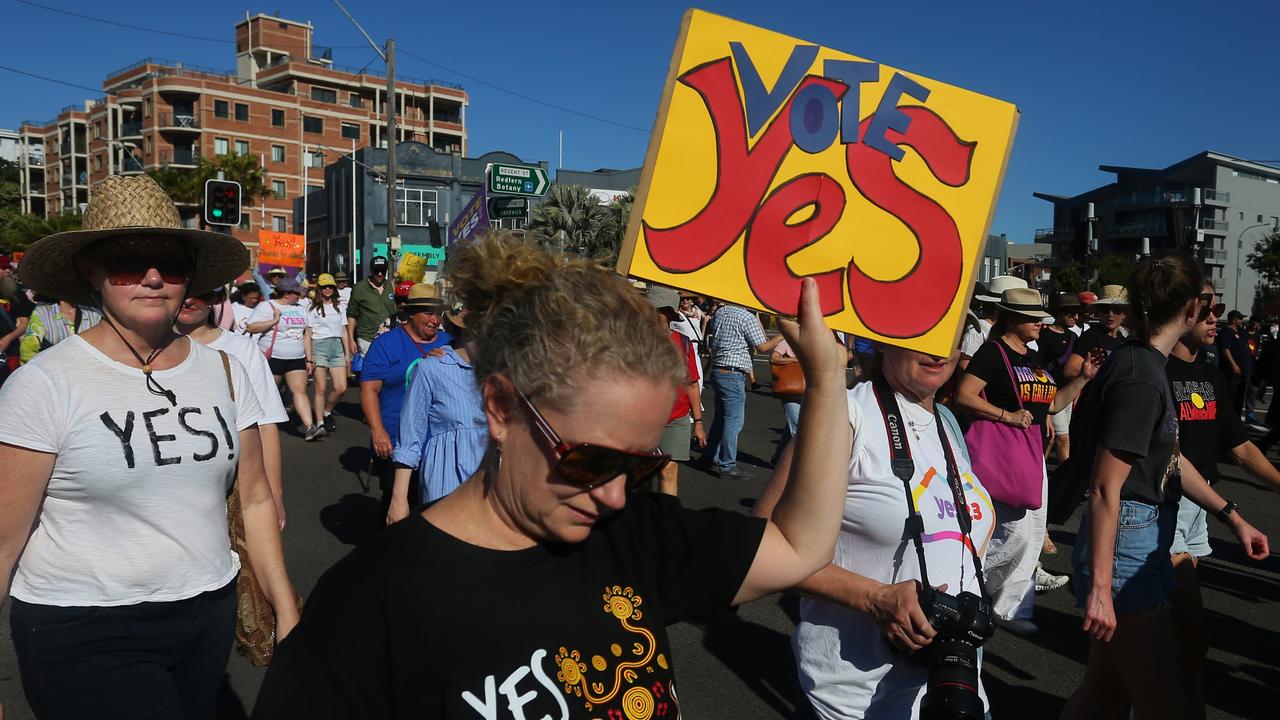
(963, 622)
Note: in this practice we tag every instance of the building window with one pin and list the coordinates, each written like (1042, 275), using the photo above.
(356, 100)
(278, 188)
(312, 124)
(415, 205)
(97, 130)
(278, 223)
(97, 163)
(242, 112)
(277, 118)
(350, 131)
(221, 146)
(242, 147)
(148, 145)
(245, 223)
(1259, 218)
(146, 107)
(220, 108)
(277, 153)
(313, 159)
(324, 95)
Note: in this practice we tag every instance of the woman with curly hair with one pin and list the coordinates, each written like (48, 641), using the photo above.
(544, 583)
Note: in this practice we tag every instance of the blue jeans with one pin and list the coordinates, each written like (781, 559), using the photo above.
(1142, 577)
(731, 402)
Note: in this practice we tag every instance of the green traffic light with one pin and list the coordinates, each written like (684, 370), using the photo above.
(217, 213)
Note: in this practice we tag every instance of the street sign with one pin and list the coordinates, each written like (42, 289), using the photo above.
(518, 179)
(508, 207)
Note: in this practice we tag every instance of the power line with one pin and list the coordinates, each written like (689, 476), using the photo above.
(127, 26)
(104, 21)
(523, 96)
(49, 79)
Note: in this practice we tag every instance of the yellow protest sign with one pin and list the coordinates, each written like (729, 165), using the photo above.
(412, 268)
(774, 159)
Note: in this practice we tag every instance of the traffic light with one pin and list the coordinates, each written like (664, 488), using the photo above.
(434, 233)
(221, 202)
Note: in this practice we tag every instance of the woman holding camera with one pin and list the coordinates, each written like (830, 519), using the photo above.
(863, 637)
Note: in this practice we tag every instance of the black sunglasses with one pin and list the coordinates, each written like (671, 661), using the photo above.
(587, 465)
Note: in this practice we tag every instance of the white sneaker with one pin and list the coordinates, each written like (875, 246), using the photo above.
(1018, 626)
(1046, 581)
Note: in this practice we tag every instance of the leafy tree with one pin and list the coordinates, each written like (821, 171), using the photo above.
(1114, 270)
(18, 230)
(186, 185)
(573, 220)
(1069, 278)
(1265, 260)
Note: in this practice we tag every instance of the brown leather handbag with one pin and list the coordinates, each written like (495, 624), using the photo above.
(788, 378)
(255, 618)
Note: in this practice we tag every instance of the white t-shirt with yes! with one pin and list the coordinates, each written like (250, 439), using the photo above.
(135, 510)
(284, 341)
(841, 654)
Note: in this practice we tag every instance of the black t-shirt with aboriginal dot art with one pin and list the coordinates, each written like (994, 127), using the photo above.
(1035, 385)
(419, 624)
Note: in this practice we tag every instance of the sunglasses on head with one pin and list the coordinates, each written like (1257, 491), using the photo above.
(125, 270)
(588, 466)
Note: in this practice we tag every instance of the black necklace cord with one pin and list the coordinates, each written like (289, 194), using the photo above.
(153, 385)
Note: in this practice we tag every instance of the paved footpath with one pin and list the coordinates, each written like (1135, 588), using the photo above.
(741, 666)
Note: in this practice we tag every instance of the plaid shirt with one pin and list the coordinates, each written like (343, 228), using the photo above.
(737, 333)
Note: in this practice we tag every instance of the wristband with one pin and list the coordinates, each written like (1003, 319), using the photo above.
(697, 420)
(1001, 416)
(1226, 511)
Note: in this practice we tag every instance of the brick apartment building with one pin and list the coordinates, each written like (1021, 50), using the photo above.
(285, 103)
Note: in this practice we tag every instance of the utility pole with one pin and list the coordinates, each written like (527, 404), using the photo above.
(389, 57)
(393, 240)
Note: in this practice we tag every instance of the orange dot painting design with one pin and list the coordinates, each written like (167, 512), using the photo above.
(620, 693)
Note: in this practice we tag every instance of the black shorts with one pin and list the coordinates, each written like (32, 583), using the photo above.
(280, 366)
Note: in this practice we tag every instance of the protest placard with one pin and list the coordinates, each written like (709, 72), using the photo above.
(277, 249)
(773, 159)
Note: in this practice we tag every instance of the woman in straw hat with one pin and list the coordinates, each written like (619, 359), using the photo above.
(442, 426)
(1008, 383)
(1110, 311)
(119, 448)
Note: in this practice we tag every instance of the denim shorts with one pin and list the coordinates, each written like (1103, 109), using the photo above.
(1192, 535)
(328, 352)
(1142, 575)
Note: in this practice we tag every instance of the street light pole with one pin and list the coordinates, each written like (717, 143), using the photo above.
(1235, 303)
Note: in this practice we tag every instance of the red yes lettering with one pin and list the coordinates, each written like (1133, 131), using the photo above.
(900, 308)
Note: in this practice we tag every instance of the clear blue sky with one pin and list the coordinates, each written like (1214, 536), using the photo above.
(1124, 82)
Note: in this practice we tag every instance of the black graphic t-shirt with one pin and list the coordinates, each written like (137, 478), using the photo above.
(1035, 386)
(418, 624)
(1096, 337)
(1208, 423)
(1136, 418)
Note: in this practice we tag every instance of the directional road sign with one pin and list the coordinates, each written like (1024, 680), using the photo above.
(518, 179)
(508, 207)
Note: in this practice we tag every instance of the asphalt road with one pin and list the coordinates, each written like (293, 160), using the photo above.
(742, 666)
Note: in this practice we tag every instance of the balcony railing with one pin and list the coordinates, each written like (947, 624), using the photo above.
(131, 129)
(185, 121)
(1213, 254)
(1139, 229)
(1211, 224)
(187, 157)
(1055, 235)
(35, 159)
(1211, 195)
(456, 119)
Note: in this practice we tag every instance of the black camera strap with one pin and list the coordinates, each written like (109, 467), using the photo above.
(905, 469)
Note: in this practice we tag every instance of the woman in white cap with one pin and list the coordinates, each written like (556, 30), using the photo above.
(1008, 383)
(119, 448)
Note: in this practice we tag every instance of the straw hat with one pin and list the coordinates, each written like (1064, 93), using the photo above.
(457, 318)
(424, 295)
(998, 285)
(130, 207)
(1024, 301)
(1113, 295)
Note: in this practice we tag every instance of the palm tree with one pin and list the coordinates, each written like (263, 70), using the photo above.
(570, 219)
